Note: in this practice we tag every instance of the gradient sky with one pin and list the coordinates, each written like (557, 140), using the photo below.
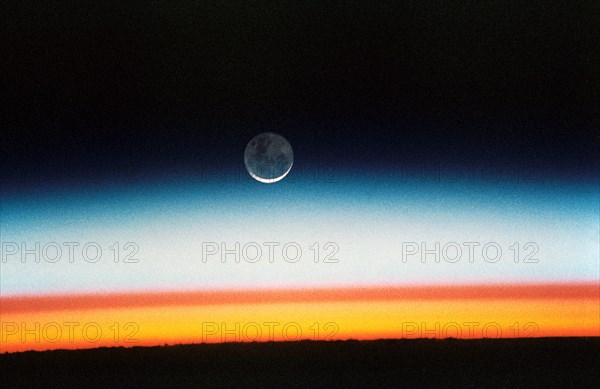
(368, 217)
(411, 125)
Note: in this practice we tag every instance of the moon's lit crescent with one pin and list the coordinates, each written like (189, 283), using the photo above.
(268, 157)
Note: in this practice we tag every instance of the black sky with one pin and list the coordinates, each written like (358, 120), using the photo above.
(94, 91)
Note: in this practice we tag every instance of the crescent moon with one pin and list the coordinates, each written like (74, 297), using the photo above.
(270, 180)
(268, 157)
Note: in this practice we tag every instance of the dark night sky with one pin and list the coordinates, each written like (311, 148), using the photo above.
(97, 93)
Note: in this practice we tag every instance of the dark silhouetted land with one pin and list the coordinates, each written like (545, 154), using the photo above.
(508, 363)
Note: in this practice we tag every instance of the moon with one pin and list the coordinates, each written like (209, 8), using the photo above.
(268, 157)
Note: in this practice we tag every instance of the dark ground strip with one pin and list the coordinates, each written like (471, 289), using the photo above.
(538, 362)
